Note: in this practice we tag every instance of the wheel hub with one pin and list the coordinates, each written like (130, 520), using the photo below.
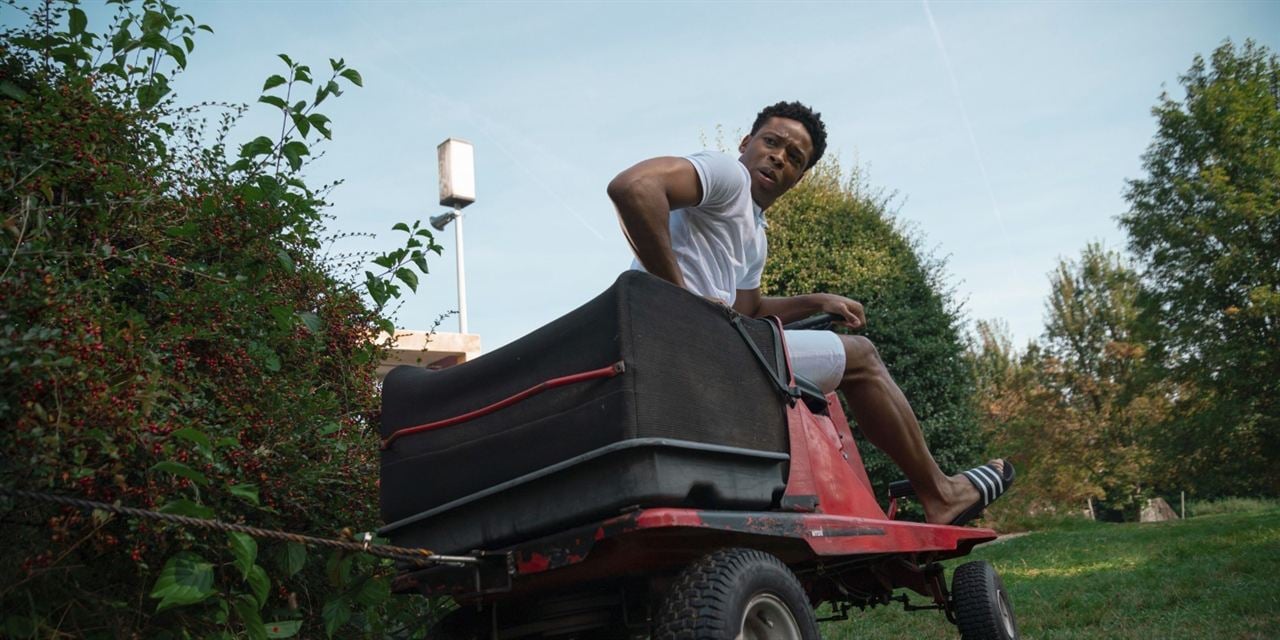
(766, 617)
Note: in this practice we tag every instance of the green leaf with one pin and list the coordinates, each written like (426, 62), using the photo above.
(185, 579)
(321, 123)
(286, 260)
(400, 226)
(153, 21)
(294, 558)
(245, 550)
(336, 612)
(179, 469)
(271, 361)
(293, 152)
(301, 122)
(420, 261)
(287, 59)
(353, 76)
(256, 147)
(245, 491)
(302, 74)
(178, 54)
(274, 101)
(284, 317)
(408, 277)
(78, 21)
(122, 37)
(186, 508)
(374, 591)
(12, 90)
(149, 95)
(154, 41)
(311, 320)
(283, 628)
(247, 609)
(196, 437)
(274, 81)
(259, 583)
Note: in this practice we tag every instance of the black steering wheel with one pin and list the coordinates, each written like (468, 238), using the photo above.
(818, 322)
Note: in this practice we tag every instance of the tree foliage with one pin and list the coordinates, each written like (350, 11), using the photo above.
(1079, 406)
(1205, 224)
(173, 337)
(831, 234)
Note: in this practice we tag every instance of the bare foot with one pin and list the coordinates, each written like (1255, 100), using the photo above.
(958, 494)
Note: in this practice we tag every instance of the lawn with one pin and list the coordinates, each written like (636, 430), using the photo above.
(1210, 576)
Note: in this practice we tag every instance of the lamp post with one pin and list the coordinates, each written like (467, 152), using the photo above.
(457, 190)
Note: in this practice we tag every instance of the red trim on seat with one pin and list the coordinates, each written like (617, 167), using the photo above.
(603, 372)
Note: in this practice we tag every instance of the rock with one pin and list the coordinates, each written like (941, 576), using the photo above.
(1157, 510)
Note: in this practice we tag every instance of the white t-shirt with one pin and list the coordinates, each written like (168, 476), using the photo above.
(719, 244)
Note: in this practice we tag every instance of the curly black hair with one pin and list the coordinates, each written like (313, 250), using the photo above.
(811, 120)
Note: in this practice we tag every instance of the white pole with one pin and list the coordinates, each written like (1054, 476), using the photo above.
(462, 277)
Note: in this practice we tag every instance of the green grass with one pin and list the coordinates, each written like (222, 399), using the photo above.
(1212, 576)
(1228, 505)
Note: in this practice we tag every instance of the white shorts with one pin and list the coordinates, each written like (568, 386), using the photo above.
(817, 356)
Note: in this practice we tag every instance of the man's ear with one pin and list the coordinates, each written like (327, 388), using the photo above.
(742, 146)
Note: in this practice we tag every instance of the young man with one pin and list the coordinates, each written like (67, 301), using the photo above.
(698, 222)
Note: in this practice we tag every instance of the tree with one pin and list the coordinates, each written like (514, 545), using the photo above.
(832, 235)
(172, 337)
(1023, 418)
(1095, 363)
(1079, 406)
(1205, 224)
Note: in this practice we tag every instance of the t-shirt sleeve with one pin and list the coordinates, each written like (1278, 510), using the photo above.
(721, 177)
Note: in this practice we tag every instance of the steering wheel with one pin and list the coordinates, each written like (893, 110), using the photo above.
(819, 322)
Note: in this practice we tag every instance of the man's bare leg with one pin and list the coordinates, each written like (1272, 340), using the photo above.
(886, 418)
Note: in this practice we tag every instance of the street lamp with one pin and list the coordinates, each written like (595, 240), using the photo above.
(457, 159)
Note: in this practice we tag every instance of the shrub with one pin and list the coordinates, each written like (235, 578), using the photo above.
(831, 234)
(173, 337)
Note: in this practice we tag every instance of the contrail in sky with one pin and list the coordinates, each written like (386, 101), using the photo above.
(964, 116)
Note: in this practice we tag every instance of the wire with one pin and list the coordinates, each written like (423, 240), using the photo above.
(423, 557)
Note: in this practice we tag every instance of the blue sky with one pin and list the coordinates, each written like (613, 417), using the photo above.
(1006, 129)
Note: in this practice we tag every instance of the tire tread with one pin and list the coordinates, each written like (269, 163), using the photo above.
(699, 602)
(973, 586)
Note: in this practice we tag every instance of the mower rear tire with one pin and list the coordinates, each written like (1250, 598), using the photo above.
(982, 607)
(736, 593)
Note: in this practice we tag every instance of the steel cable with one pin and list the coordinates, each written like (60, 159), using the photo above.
(421, 557)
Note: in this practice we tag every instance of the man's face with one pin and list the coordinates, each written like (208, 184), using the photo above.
(777, 156)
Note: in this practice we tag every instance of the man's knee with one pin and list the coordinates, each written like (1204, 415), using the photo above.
(860, 354)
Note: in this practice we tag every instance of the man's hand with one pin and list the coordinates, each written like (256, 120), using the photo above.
(851, 310)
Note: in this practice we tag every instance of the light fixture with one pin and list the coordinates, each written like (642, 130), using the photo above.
(457, 165)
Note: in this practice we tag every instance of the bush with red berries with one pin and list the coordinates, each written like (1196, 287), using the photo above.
(172, 337)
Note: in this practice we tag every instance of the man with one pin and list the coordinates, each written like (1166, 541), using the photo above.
(698, 222)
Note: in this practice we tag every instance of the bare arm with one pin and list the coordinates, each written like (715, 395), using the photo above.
(644, 196)
(749, 302)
